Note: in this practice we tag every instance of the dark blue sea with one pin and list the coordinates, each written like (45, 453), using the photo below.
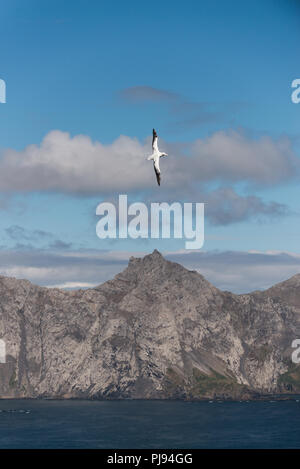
(149, 424)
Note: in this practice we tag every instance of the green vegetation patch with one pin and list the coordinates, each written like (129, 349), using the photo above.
(291, 379)
(203, 386)
(214, 385)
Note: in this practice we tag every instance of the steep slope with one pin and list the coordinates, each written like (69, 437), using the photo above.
(156, 330)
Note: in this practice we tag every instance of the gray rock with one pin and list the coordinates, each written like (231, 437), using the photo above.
(157, 330)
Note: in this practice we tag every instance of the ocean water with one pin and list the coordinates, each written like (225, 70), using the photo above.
(149, 424)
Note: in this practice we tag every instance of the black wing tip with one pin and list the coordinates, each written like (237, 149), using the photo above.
(158, 178)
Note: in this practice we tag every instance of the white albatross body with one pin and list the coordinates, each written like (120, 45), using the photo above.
(155, 156)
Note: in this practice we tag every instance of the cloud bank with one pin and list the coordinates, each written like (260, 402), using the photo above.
(79, 166)
(239, 272)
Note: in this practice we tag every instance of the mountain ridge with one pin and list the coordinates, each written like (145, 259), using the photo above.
(156, 330)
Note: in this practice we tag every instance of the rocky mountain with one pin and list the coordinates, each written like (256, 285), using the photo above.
(157, 330)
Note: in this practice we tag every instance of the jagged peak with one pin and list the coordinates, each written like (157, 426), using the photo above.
(155, 255)
(156, 269)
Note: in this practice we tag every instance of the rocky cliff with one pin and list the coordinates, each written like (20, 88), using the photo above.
(156, 330)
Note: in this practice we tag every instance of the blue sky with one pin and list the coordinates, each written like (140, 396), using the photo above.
(214, 78)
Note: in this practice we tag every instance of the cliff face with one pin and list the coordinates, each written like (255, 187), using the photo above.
(156, 330)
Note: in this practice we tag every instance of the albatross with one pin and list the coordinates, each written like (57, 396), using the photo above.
(155, 156)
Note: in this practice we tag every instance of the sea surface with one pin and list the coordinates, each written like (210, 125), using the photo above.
(149, 424)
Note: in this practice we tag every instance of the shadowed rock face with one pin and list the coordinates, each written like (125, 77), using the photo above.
(156, 330)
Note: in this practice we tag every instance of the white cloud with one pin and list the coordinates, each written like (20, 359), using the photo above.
(231, 156)
(77, 165)
(62, 163)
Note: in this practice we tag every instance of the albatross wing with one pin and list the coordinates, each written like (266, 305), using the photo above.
(154, 141)
(157, 171)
